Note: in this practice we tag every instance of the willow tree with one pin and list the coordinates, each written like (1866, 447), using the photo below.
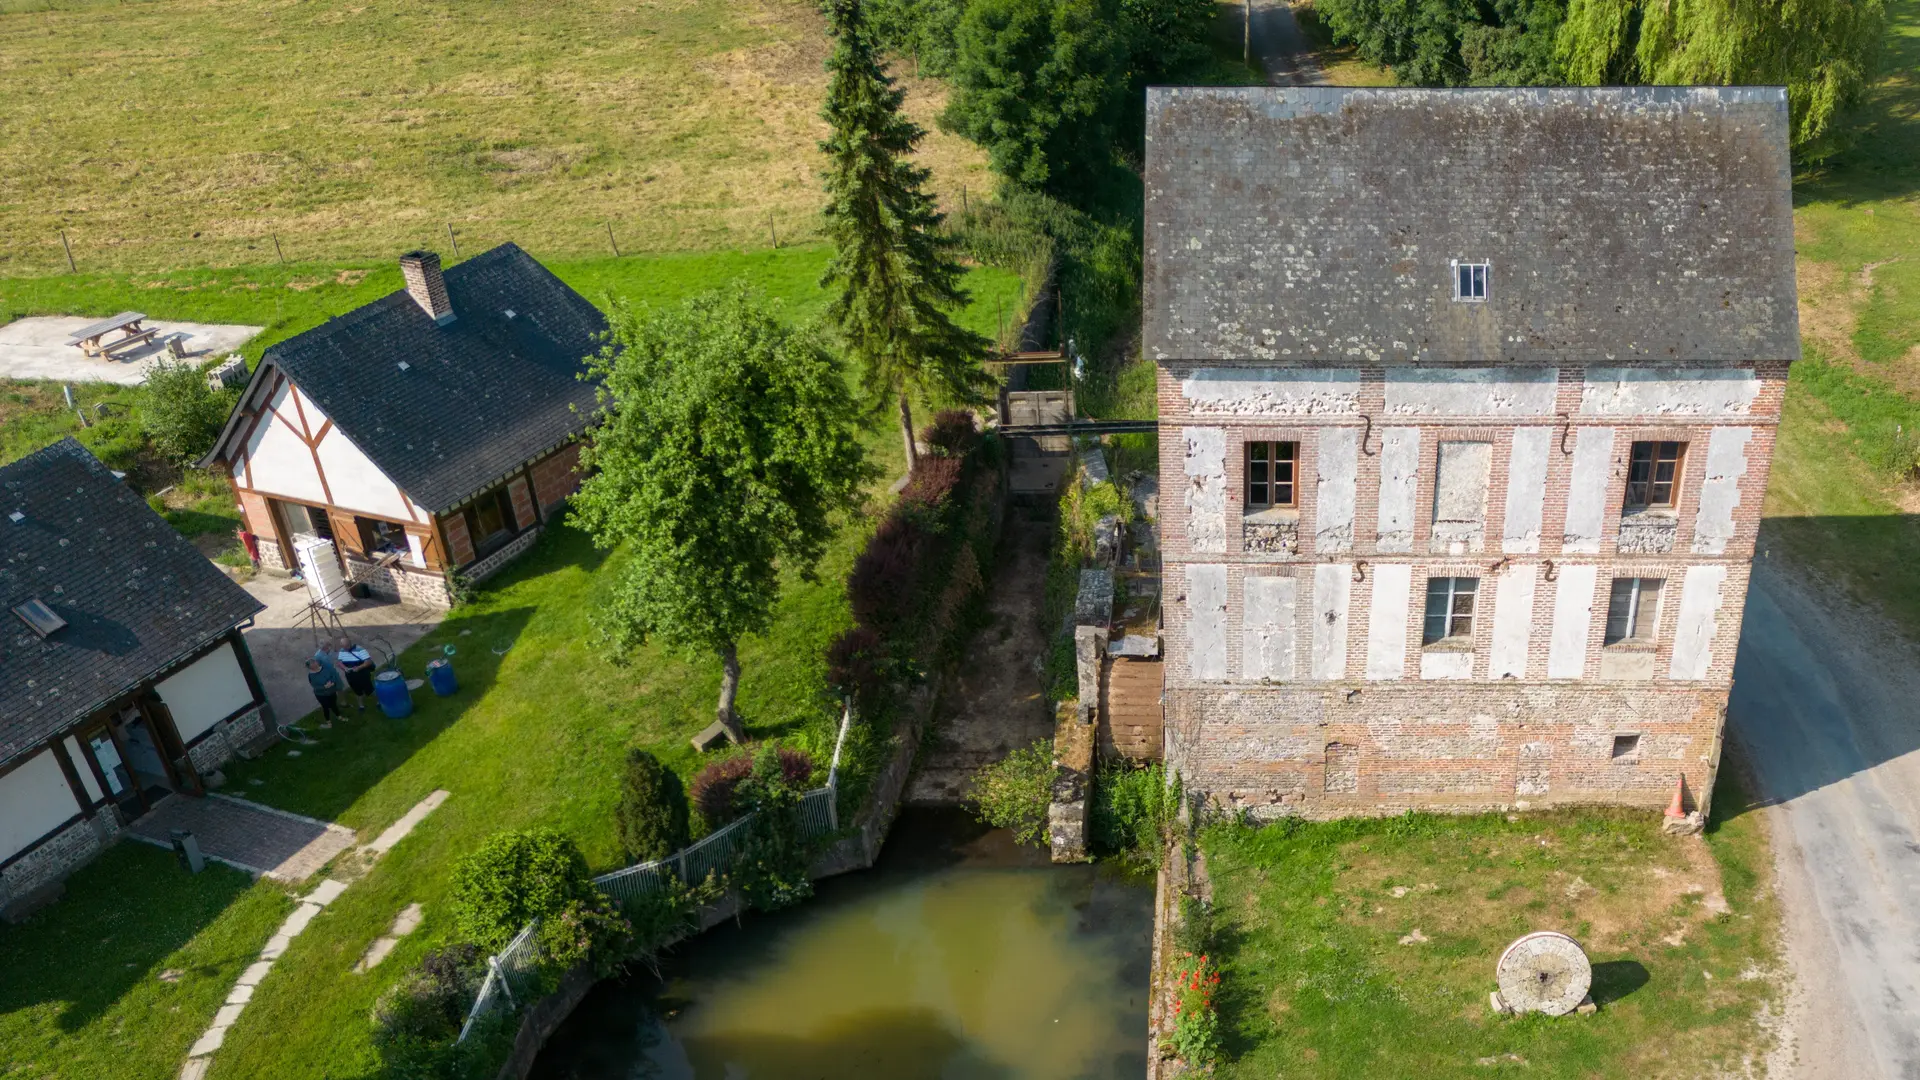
(725, 450)
(1823, 51)
(895, 276)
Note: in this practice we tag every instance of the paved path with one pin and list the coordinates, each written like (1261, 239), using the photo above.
(36, 348)
(257, 839)
(1826, 707)
(282, 637)
(1280, 47)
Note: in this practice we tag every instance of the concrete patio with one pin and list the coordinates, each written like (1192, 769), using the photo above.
(257, 839)
(284, 635)
(36, 348)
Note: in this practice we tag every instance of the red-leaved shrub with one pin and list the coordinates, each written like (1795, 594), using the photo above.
(884, 582)
(933, 480)
(856, 667)
(952, 434)
(716, 790)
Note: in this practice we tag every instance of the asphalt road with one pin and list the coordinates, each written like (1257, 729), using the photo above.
(1826, 710)
(1279, 46)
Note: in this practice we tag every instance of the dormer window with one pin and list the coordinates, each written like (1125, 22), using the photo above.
(1470, 280)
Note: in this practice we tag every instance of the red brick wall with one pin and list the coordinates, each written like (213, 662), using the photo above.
(458, 542)
(1440, 743)
(522, 504)
(556, 476)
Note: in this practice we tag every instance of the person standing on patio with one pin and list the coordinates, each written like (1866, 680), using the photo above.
(326, 689)
(358, 664)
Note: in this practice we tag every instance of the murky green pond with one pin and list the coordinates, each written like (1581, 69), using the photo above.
(958, 957)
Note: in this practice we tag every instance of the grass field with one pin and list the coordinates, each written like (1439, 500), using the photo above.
(171, 133)
(1366, 948)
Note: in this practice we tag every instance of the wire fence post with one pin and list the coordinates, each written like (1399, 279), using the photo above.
(610, 240)
(276, 250)
(71, 269)
(963, 202)
(455, 244)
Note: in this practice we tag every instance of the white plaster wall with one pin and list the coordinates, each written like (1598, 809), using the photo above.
(1207, 621)
(205, 692)
(1669, 392)
(1387, 621)
(1462, 472)
(1339, 458)
(1267, 628)
(1332, 586)
(278, 462)
(1399, 487)
(1446, 664)
(1526, 490)
(1513, 593)
(1587, 493)
(1720, 495)
(1698, 622)
(79, 759)
(1206, 468)
(34, 800)
(356, 482)
(1413, 391)
(1572, 619)
(1272, 392)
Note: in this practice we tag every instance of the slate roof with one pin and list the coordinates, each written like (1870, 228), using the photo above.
(481, 395)
(1316, 224)
(137, 597)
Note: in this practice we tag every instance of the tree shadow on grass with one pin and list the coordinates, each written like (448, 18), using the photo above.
(1881, 161)
(121, 917)
(1615, 979)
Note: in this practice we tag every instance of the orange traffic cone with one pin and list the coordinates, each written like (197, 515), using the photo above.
(1677, 808)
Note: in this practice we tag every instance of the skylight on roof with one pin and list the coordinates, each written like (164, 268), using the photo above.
(16, 517)
(38, 617)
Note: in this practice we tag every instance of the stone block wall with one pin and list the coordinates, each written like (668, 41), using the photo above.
(1297, 680)
(401, 582)
(59, 855)
(491, 565)
(221, 743)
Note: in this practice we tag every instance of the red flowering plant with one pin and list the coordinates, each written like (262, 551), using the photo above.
(1196, 1026)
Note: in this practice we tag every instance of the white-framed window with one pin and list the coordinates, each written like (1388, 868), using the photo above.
(1450, 602)
(1470, 280)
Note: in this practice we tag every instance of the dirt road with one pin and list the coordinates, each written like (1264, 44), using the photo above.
(1826, 708)
(1279, 46)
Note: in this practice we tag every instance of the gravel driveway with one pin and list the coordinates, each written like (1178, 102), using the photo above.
(1826, 708)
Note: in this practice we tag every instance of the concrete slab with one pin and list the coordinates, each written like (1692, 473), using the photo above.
(283, 636)
(36, 348)
(398, 831)
(328, 891)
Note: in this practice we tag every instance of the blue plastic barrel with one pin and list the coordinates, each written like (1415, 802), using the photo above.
(390, 690)
(440, 676)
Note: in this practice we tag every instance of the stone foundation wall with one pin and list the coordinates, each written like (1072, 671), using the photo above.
(223, 741)
(1328, 752)
(270, 555)
(59, 855)
(399, 582)
(491, 565)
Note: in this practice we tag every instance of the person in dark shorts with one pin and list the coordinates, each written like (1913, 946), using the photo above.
(326, 689)
(358, 664)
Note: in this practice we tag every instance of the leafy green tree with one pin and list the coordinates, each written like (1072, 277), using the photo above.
(895, 275)
(1824, 51)
(726, 448)
(514, 878)
(179, 412)
(652, 812)
(1014, 792)
(1039, 83)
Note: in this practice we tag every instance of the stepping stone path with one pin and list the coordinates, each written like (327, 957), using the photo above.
(200, 1057)
(403, 924)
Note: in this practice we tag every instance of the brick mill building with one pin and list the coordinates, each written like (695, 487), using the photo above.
(1467, 400)
(433, 430)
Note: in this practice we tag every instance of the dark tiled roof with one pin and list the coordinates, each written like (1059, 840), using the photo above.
(480, 396)
(1316, 224)
(135, 594)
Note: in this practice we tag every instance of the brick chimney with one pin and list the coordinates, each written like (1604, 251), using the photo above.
(426, 286)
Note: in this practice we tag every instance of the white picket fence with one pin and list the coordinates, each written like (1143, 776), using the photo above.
(819, 816)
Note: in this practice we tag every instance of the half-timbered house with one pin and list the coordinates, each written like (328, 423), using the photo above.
(431, 431)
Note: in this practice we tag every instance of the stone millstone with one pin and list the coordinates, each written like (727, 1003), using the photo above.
(1544, 972)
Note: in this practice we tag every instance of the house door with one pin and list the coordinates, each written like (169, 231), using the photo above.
(115, 773)
(145, 759)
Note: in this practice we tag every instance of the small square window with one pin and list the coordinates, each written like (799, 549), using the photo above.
(1270, 474)
(1626, 746)
(1633, 610)
(1450, 609)
(1653, 474)
(1470, 280)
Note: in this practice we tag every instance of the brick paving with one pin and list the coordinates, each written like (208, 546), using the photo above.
(280, 845)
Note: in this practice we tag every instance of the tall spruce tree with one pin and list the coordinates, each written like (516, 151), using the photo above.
(895, 273)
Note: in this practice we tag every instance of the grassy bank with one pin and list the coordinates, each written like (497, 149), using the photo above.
(1367, 948)
(167, 133)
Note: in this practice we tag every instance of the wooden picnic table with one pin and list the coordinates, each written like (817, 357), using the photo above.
(89, 338)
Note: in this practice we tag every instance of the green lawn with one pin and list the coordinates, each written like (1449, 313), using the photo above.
(83, 995)
(1324, 976)
(170, 133)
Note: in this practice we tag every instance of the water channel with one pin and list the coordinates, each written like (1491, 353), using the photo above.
(959, 957)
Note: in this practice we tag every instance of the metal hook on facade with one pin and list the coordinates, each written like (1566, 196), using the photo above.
(1360, 570)
(1366, 434)
(1566, 431)
(1553, 572)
